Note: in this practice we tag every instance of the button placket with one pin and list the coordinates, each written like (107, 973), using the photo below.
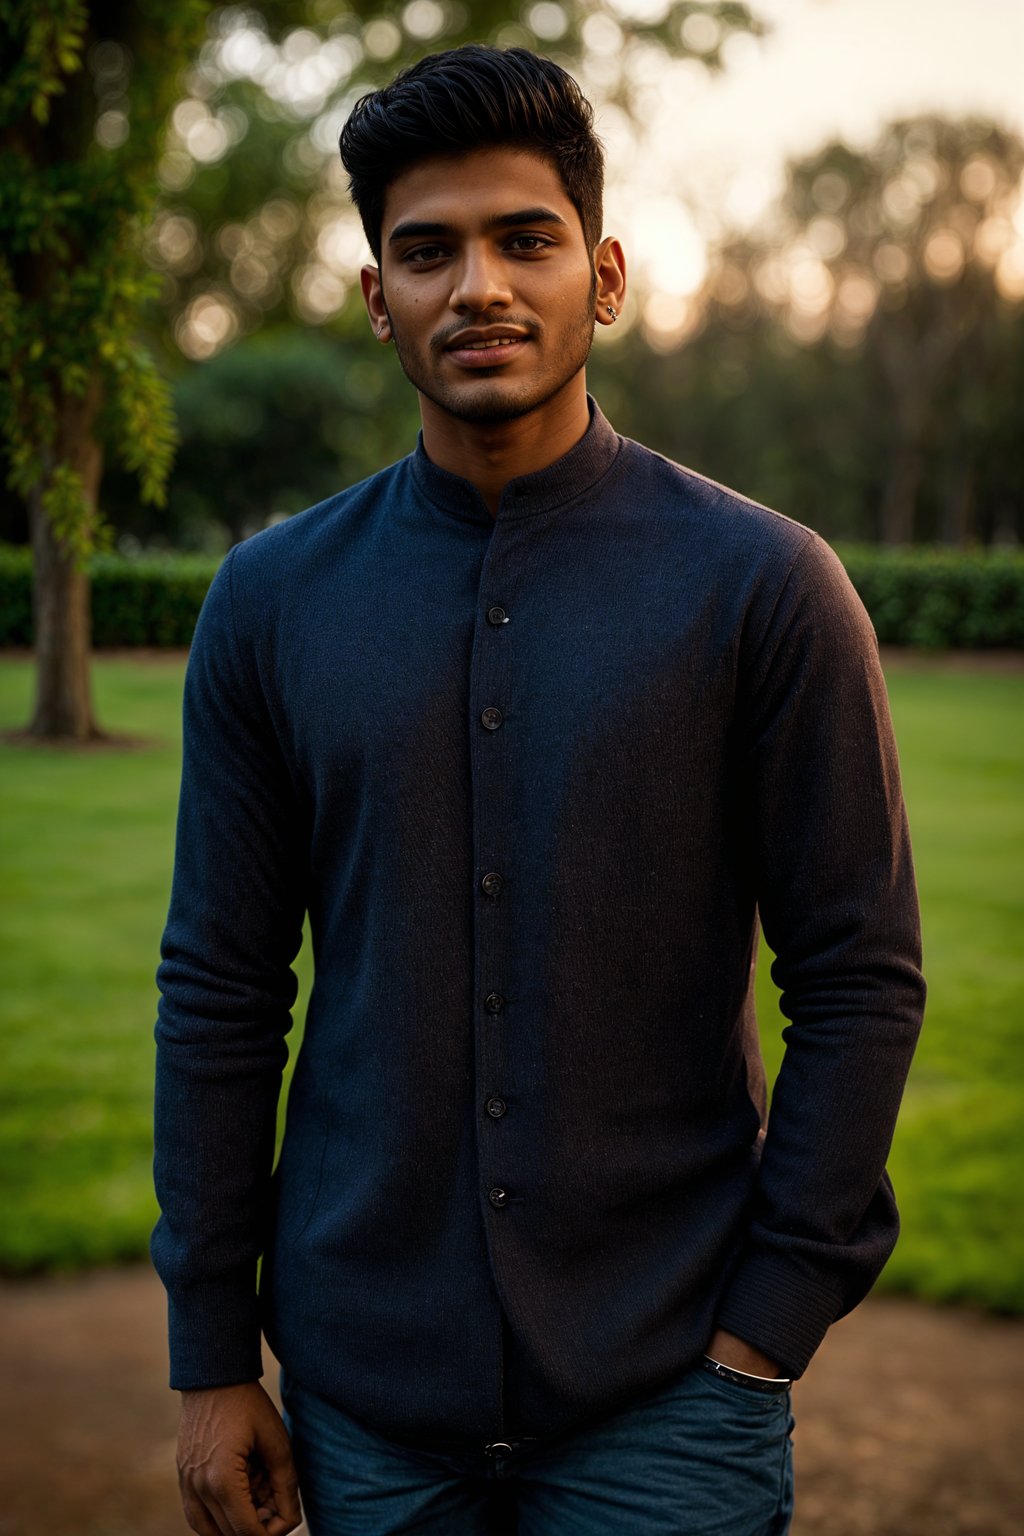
(489, 722)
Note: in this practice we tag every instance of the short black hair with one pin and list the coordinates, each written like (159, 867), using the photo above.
(468, 98)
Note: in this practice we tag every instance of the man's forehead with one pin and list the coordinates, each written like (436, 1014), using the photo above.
(476, 188)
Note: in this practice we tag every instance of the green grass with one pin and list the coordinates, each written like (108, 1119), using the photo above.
(87, 843)
(957, 1160)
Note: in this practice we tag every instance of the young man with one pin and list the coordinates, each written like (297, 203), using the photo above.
(533, 723)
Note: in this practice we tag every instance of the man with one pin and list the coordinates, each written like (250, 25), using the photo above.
(533, 723)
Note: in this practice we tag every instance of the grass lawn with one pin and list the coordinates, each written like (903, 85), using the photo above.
(87, 844)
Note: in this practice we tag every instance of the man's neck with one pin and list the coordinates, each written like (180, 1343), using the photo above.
(491, 454)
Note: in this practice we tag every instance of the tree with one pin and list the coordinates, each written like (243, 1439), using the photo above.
(84, 96)
(909, 253)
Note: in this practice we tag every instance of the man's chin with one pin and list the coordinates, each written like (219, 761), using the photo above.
(488, 412)
(487, 402)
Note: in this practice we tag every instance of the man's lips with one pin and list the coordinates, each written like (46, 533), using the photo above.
(486, 349)
(487, 357)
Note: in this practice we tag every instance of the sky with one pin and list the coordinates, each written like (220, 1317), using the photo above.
(830, 68)
(845, 66)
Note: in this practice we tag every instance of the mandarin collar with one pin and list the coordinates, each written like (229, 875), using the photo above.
(542, 490)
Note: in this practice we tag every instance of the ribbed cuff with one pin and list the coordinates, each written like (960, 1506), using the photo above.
(214, 1335)
(779, 1307)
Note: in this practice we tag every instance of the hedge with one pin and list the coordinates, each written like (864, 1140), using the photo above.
(154, 600)
(931, 597)
(934, 596)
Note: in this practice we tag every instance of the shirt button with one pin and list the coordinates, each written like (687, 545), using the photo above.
(497, 1197)
(496, 614)
(496, 1107)
(494, 1002)
(492, 883)
(491, 717)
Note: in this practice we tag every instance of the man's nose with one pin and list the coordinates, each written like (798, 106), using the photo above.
(480, 282)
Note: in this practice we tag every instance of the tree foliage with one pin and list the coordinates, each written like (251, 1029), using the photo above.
(82, 107)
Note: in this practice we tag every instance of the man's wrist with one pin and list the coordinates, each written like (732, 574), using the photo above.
(224, 1386)
(729, 1349)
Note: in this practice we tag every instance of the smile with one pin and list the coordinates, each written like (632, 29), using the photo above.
(487, 354)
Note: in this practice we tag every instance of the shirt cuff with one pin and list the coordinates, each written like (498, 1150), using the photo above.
(780, 1308)
(214, 1335)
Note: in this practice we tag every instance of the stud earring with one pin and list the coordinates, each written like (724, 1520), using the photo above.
(612, 311)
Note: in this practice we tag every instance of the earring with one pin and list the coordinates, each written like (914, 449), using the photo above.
(612, 311)
(380, 328)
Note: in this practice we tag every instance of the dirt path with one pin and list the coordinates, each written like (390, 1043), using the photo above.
(908, 1420)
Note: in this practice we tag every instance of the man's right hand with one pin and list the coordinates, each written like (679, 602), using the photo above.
(235, 1467)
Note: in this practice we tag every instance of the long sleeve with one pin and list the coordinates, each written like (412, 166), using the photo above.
(831, 859)
(233, 930)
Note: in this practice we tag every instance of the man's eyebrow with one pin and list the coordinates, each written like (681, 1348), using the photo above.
(417, 229)
(538, 215)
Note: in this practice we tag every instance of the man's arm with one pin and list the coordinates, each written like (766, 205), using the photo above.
(831, 861)
(233, 930)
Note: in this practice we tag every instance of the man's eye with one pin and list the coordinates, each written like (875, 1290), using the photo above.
(424, 253)
(533, 242)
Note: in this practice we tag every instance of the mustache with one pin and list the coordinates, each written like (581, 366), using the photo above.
(443, 338)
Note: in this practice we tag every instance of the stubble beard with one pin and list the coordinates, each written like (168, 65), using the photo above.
(488, 407)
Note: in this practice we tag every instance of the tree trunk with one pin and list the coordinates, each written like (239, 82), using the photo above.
(958, 523)
(906, 470)
(60, 593)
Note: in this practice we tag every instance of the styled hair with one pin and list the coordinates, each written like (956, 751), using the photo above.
(468, 98)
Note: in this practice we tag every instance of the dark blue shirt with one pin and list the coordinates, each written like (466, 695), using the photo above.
(534, 776)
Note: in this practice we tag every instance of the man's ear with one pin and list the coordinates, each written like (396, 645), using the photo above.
(373, 297)
(610, 270)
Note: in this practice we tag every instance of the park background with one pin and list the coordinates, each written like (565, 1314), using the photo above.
(823, 208)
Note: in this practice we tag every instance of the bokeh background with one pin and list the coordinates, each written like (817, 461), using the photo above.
(822, 206)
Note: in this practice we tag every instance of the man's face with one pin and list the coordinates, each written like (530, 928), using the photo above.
(487, 282)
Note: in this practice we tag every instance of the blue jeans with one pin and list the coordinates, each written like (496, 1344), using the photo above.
(703, 1457)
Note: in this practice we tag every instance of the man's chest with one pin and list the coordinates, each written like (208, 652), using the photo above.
(530, 660)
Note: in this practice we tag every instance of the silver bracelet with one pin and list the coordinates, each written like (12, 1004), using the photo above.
(758, 1383)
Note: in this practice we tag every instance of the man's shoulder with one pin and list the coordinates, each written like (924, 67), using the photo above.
(310, 535)
(729, 519)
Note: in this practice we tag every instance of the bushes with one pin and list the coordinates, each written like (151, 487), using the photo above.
(15, 595)
(932, 597)
(150, 601)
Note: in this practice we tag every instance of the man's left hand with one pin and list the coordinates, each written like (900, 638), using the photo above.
(731, 1350)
